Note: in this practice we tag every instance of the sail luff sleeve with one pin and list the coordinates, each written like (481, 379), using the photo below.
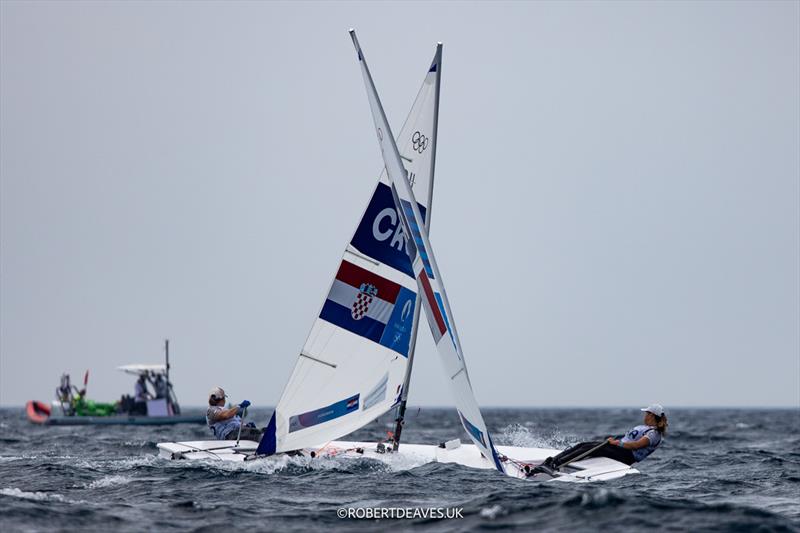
(436, 69)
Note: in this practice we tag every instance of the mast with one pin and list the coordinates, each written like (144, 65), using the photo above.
(172, 401)
(428, 276)
(166, 353)
(401, 411)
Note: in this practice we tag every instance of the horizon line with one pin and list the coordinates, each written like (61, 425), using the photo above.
(553, 406)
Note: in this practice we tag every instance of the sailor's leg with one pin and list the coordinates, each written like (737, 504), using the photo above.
(571, 453)
(251, 433)
(247, 433)
(617, 453)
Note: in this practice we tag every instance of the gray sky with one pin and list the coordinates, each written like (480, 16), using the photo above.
(616, 213)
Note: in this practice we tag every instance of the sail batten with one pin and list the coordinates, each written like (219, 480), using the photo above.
(431, 289)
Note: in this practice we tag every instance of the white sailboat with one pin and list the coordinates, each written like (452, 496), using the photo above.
(356, 362)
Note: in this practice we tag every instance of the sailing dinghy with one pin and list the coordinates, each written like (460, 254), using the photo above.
(357, 360)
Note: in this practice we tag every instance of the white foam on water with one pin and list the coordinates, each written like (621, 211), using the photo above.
(127, 463)
(36, 496)
(271, 465)
(136, 443)
(394, 462)
(267, 465)
(491, 512)
(597, 497)
(109, 481)
(520, 435)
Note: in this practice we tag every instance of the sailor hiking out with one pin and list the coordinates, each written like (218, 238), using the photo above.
(633, 447)
(226, 423)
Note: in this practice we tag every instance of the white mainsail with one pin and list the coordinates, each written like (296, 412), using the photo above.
(355, 361)
(429, 280)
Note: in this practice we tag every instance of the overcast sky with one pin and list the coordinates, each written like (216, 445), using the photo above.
(616, 213)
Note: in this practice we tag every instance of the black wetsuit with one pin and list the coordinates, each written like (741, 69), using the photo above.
(248, 433)
(618, 453)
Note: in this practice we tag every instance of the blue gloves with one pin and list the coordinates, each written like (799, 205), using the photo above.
(245, 404)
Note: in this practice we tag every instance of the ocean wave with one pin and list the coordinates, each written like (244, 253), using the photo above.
(746, 483)
(521, 435)
(14, 492)
(286, 465)
(139, 444)
(492, 512)
(592, 499)
(117, 464)
(579, 507)
(109, 481)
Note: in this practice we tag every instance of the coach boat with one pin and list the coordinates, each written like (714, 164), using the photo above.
(72, 408)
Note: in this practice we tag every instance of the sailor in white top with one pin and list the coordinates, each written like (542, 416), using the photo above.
(226, 424)
(635, 446)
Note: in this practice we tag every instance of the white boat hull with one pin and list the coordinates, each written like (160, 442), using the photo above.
(586, 470)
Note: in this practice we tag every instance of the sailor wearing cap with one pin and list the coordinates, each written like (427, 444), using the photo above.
(643, 440)
(634, 447)
(224, 423)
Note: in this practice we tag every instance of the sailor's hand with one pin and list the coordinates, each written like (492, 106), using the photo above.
(245, 404)
(613, 441)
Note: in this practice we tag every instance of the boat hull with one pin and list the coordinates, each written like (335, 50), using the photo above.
(124, 420)
(587, 470)
(42, 413)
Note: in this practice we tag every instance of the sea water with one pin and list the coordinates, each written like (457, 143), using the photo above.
(718, 469)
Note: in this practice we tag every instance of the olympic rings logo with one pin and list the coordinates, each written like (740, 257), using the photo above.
(419, 142)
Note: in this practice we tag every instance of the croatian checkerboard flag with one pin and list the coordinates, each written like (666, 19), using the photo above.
(370, 306)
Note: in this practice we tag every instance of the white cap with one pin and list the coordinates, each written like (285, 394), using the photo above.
(217, 392)
(654, 408)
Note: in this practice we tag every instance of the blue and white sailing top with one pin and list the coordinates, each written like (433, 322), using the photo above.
(221, 428)
(652, 434)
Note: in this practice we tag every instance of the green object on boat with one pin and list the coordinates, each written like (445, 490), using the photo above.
(85, 407)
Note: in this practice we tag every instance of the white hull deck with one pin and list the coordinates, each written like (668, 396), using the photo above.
(586, 470)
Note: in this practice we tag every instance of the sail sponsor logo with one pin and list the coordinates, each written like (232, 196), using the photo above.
(380, 233)
(406, 310)
(370, 306)
(323, 414)
(419, 142)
